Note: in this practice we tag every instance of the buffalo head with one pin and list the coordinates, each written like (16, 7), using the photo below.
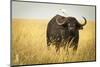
(70, 22)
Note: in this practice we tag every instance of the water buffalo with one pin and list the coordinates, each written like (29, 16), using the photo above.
(62, 31)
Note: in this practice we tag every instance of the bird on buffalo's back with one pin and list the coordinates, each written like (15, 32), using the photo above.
(63, 30)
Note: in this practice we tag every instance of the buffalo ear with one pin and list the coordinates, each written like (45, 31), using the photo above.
(79, 27)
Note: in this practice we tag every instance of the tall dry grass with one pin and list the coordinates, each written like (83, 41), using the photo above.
(29, 44)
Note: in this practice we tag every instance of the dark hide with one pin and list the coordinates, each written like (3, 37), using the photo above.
(62, 31)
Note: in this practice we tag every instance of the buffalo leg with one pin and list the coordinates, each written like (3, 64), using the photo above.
(57, 48)
(67, 52)
(48, 44)
(75, 43)
(75, 49)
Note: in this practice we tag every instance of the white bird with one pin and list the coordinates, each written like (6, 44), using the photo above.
(63, 11)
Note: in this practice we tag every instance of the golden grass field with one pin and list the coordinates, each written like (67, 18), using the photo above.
(29, 44)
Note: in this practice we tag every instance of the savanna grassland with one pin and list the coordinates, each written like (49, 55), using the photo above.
(29, 44)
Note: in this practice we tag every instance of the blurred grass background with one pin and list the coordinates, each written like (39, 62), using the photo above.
(29, 43)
